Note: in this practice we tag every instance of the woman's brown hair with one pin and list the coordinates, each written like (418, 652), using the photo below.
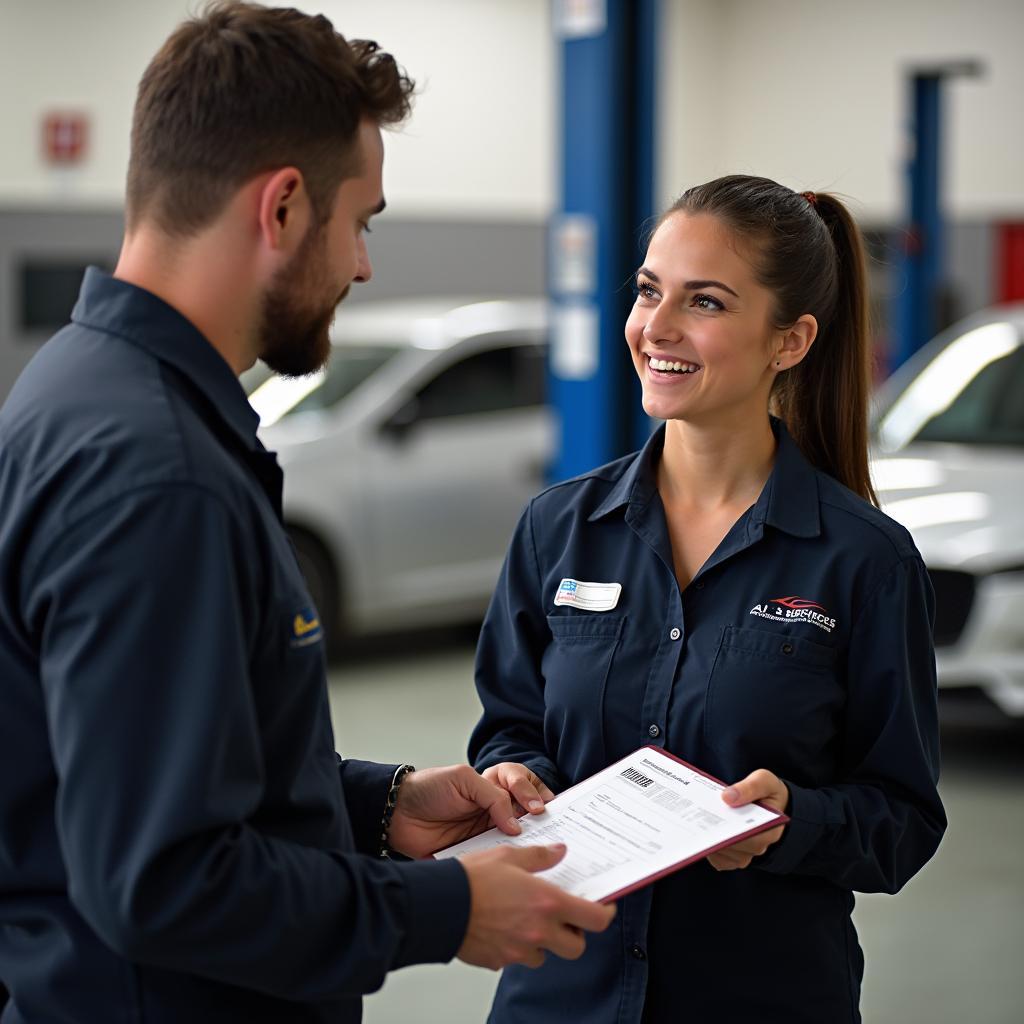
(243, 89)
(808, 252)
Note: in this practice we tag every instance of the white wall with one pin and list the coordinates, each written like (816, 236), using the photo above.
(807, 91)
(480, 141)
(811, 92)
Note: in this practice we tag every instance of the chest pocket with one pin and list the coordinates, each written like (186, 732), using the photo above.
(576, 666)
(774, 701)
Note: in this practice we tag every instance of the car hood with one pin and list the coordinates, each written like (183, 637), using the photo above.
(963, 504)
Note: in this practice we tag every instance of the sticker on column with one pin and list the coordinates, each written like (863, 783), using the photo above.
(574, 342)
(574, 254)
(576, 19)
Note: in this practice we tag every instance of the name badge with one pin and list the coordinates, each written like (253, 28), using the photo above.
(588, 597)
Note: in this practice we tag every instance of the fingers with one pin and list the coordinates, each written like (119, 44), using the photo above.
(530, 795)
(740, 855)
(483, 792)
(515, 917)
(568, 943)
(527, 788)
(760, 784)
(591, 917)
(724, 861)
(536, 858)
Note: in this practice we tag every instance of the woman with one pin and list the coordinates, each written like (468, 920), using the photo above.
(772, 628)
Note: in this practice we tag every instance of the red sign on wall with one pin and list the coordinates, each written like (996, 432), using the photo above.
(65, 136)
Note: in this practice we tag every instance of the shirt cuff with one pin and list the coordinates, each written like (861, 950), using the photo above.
(365, 785)
(807, 820)
(437, 913)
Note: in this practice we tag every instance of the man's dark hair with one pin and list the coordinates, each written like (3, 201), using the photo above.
(242, 89)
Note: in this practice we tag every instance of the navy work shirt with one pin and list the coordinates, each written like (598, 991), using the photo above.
(802, 646)
(178, 839)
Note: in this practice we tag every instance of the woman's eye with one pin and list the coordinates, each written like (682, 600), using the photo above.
(645, 290)
(707, 302)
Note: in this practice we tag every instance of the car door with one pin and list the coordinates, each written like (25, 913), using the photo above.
(451, 473)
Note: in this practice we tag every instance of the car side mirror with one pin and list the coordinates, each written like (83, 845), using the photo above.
(402, 420)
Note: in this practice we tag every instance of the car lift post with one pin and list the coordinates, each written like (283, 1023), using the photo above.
(918, 300)
(607, 50)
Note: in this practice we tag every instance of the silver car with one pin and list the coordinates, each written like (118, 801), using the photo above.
(409, 459)
(949, 465)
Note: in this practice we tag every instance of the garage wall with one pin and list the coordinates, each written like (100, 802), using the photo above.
(480, 143)
(811, 92)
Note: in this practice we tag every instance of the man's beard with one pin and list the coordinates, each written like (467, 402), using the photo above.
(294, 339)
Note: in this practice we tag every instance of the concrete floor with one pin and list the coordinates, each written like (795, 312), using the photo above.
(947, 950)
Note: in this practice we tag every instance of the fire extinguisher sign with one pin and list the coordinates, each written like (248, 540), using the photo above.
(65, 137)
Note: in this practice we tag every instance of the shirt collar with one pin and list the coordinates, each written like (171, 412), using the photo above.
(638, 483)
(788, 501)
(108, 304)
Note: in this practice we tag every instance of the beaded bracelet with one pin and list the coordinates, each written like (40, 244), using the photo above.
(389, 806)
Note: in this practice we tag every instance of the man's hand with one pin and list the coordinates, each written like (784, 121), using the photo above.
(770, 790)
(514, 917)
(526, 788)
(441, 806)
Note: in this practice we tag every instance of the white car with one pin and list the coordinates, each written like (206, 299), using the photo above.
(409, 459)
(949, 465)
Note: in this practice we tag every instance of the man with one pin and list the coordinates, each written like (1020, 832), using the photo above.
(178, 839)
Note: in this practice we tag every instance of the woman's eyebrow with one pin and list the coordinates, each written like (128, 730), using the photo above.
(690, 285)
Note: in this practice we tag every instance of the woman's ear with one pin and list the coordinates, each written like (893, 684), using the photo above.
(793, 344)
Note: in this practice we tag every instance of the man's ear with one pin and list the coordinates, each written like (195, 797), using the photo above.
(284, 210)
(795, 342)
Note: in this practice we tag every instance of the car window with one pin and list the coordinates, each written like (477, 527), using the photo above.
(511, 377)
(971, 392)
(273, 396)
(990, 410)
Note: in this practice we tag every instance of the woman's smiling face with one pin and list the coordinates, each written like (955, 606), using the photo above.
(701, 332)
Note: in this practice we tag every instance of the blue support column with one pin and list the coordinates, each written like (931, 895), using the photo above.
(917, 315)
(607, 95)
(922, 258)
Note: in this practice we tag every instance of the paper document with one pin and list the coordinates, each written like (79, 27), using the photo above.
(630, 824)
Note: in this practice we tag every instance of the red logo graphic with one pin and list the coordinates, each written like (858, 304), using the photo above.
(797, 602)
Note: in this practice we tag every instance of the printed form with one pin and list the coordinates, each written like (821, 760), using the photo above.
(630, 824)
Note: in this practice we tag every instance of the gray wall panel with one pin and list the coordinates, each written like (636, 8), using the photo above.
(410, 258)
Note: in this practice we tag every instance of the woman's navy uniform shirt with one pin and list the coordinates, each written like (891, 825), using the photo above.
(802, 646)
(178, 839)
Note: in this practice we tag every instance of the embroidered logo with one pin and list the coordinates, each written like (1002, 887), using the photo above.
(306, 628)
(795, 609)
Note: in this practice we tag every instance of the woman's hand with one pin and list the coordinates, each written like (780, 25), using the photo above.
(770, 790)
(528, 791)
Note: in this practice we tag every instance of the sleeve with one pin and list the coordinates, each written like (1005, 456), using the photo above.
(876, 828)
(157, 749)
(366, 785)
(509, 681)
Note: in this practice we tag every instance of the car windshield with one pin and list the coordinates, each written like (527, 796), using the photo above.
(274, 397)
(970, 392)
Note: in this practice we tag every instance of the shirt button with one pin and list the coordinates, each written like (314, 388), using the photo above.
(637, 953)
(653, 731)
(787, 648)
(699, 584)
(674, 633)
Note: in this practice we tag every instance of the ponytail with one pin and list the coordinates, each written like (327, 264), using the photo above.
(810, 255)
(823, 400)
